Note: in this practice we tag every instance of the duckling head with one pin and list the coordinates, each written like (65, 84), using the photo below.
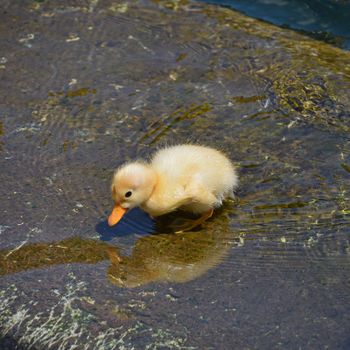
(132, 185)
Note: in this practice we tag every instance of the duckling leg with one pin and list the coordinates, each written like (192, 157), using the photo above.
(194, 223)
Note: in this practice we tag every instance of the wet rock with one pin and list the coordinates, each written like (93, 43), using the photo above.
(88, 85)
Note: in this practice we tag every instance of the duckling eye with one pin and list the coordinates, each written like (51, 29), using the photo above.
(128, 194)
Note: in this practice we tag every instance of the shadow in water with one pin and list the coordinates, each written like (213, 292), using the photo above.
(134, 221)
(159, 257)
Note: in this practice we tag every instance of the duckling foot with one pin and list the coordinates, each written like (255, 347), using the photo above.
(191, 224)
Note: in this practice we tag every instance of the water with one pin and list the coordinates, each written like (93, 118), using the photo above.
(325, 20)
(86, 87)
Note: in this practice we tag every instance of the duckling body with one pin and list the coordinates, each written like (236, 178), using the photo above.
(188, 177)
(192, 178)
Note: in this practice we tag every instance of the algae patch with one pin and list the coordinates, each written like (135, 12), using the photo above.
(166, 123)
(81, 92)
(346, 167)
(247, 99)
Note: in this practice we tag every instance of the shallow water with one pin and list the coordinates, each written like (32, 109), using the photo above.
(90, 85)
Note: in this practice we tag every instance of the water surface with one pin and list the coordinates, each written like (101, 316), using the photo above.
(326, 20)
(86, 86)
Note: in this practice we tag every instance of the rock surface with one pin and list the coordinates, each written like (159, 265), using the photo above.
(88, 85)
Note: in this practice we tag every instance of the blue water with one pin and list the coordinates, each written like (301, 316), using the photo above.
(327, 20)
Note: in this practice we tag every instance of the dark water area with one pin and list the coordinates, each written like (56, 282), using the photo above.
(327, 20)
(88, 85)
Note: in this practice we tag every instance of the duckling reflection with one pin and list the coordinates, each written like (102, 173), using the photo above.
(179, 257)
(162, 257)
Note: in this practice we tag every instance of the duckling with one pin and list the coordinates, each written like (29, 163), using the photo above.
(188, 177)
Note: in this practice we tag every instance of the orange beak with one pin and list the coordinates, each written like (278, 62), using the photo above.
(116, 215)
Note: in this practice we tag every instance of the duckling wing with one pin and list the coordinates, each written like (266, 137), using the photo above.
(203, 166)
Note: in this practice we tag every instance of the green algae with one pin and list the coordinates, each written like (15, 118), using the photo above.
(293, 77)
(346, 167)
(81, 92)
(181, 57)
(248, 99)
(172, 4)
(72, 250)
(73, 93)
(282, 206)
(160, 128)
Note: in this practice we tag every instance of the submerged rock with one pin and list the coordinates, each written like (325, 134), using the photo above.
(88, 85)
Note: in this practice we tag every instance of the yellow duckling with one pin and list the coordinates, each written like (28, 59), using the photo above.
(188, 177)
